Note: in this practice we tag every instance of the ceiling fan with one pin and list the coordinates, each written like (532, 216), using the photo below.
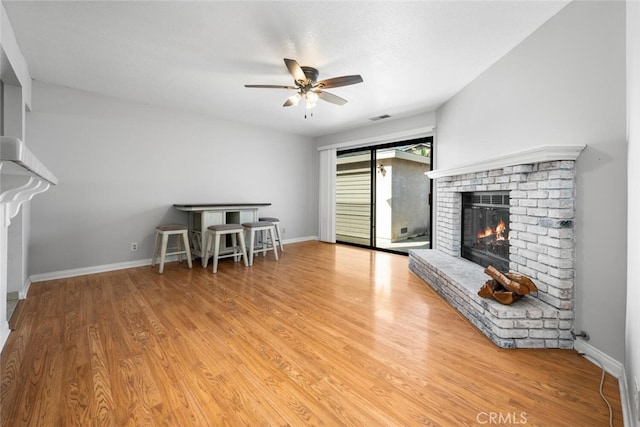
(307, 87)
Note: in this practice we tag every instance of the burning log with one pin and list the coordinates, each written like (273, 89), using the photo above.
(506, 288)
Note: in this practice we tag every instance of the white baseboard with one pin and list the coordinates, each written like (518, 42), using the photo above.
(117, 266)
(300, 239)
(613, 367)
(22, 294)
(625, 401)
(92, 270)
(4, 333)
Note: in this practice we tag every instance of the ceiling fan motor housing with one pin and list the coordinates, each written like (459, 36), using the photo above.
(311, 74)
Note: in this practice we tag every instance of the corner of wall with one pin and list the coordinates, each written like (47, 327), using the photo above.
(4, 333)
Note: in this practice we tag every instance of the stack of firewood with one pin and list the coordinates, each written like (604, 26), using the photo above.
(506, 288)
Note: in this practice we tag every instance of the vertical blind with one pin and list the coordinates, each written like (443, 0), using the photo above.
(327, 202)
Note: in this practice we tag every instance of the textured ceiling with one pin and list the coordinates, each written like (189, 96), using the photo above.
(197, 56)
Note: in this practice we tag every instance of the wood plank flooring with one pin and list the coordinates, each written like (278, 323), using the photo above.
(328, 335)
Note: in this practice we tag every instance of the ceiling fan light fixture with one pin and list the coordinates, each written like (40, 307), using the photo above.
(311, 99)
(295, 98)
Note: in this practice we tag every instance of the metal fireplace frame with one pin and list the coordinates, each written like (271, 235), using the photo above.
(487, 200)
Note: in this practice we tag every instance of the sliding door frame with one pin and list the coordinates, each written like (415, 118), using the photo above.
(373, 149)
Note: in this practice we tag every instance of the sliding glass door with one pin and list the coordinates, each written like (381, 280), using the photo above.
(354, 188)
(383, 196)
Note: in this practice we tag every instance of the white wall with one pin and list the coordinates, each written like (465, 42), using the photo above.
(121, 167)
(18, 243)
(632, 365)
(565, 84)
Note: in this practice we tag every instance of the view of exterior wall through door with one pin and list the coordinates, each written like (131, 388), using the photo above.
(383, 196)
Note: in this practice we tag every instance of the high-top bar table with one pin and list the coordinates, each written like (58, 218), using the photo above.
(202, 215)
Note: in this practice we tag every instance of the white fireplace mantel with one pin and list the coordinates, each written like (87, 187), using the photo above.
(542, 153)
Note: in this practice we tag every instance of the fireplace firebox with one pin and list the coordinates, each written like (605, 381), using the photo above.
(485, 228)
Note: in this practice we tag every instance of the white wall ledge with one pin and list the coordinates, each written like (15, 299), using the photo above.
(543, 153)
(14, 153)
(13, 150)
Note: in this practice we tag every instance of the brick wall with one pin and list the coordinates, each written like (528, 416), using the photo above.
(542, 214)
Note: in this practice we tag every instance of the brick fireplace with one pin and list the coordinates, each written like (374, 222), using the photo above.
(540, 184)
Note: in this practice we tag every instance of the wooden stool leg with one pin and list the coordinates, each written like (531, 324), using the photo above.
(187, 248)
(178, 248)
(272, 230)
(243, 247)
(155, 249)
(252, 237)
(216, 252)
(163, 251)
(234, 243)
(207, 249)
(265, 243)
(279, 234)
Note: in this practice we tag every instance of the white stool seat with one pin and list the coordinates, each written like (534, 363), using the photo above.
(163, 232)
(276, 224)
(212, 247)
(268, 232)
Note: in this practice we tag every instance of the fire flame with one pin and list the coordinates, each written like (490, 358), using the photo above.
(498, 231)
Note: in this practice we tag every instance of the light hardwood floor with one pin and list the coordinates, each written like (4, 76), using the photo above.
(329, 335)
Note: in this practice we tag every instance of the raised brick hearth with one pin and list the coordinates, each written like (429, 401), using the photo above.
(530, 323)
(542, 246)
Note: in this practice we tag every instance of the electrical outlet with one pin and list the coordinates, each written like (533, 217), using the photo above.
(134, 247)
(284, 230)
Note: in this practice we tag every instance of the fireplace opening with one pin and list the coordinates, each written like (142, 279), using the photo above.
(485, 228)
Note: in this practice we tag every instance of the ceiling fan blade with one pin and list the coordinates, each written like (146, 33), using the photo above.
(296, 70)
(339, 81)
(329, 97)
(271, 86)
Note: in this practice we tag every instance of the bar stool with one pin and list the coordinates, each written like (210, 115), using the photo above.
(214, 232)
(163, 232)
(264, 227)
(276, 223)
